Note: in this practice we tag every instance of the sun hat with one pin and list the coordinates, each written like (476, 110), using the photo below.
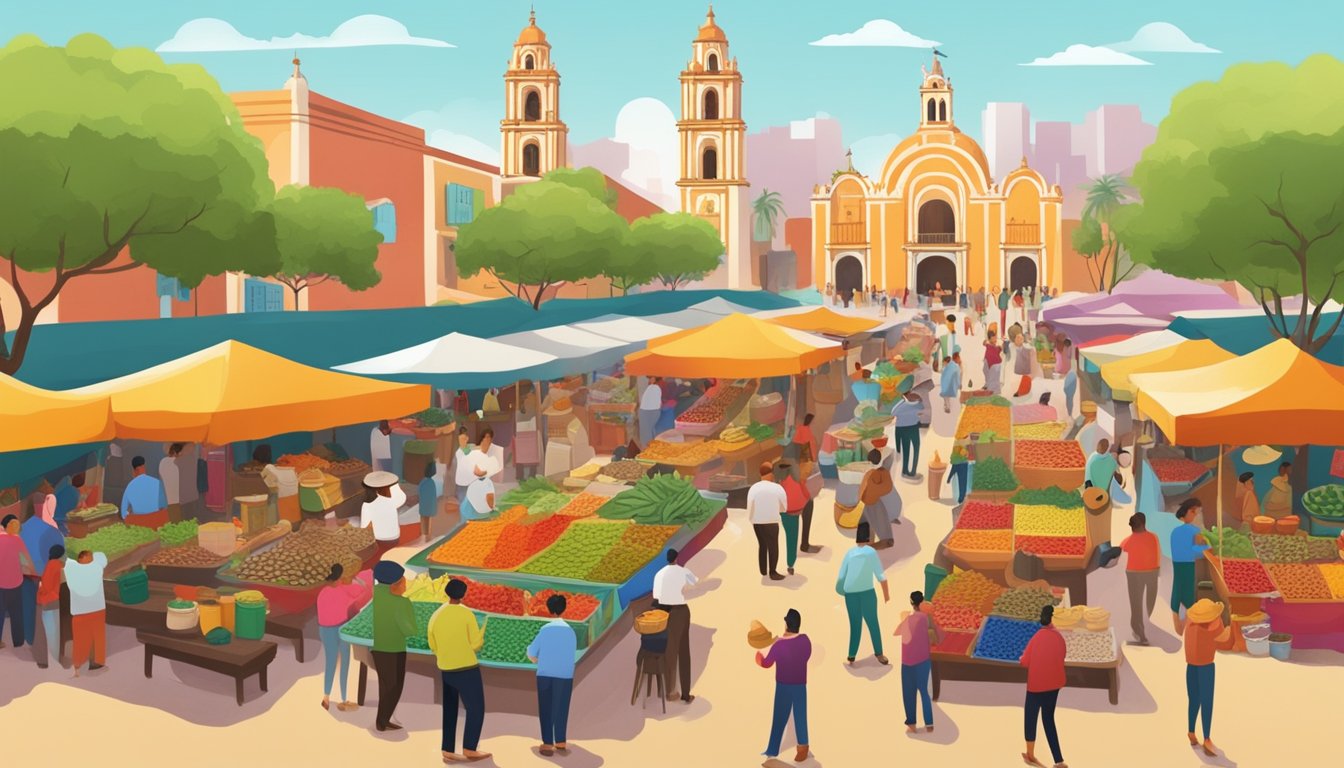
(388, 572)
(1204, 610)
(380, 479)
(1260, 455)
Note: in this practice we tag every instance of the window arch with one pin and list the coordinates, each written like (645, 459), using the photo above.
(531, 159)
(932, 111)
(712, 63)
(937, 222)
(709, 163)
(532, 107)
(942, 110)
(711, 106)
(529, 62)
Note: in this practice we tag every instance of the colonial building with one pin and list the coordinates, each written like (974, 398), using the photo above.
(936, 217)
(533, 136)
(712, 136)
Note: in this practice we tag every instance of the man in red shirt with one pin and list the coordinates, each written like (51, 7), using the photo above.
(1044, 660)
(1141, 572)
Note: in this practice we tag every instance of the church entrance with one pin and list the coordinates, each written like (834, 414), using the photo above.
(1022, 273)
(848, 275)
(935, 273)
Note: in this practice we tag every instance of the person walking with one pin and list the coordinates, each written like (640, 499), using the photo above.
(884, 304)
(455, 638)
(1002, 302)
(959, 469)
(15, 567)
(393, 622)
(875, 492)
(949, 386)
(343, 596)
(993, 366)
(806, 440)
(1141, 572)
(914, 630)
(669, 594)
(1022, 359)
(49, 608)
(1070, 377)
(428, 503)
(88, 610)
(766, 501)
(650, 410)
(1187, 546)
(800, 505)
(789, 656)
(553, 652)
(1044, 660)
(858, 570)
(1204, 634)
(790, 519)
(906, 412)
(383, 498)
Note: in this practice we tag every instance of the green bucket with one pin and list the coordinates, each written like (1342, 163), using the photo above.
(933, 576)
(249, 620)
(133, 587)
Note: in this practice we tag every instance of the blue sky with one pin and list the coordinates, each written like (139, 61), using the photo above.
(611, 52)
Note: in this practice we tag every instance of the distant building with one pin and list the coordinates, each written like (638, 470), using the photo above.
(1113, 138)
(793, 159)
(1006, 131)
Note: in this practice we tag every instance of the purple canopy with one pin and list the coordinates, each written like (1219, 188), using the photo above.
(1146, 303)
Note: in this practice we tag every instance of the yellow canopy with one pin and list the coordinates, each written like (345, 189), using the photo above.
(31, 417)
(738, 346)
(232, 392)
(1277, 394)
(1180, 357)
(827, 321)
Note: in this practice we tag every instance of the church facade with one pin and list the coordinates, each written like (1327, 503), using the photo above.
(935, 218)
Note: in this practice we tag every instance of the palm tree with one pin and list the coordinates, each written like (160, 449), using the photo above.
(766, 211)
(1105, 195)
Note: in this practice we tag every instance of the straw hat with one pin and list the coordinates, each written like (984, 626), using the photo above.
(1260, 455)
(380, 479)
(1204, 610)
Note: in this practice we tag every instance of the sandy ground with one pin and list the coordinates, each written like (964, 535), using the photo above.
(1268, 713)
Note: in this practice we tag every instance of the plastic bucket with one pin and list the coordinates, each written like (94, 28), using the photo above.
(182, 618)
(933, 577)
(1257, 639)
(133, 587)
(226, 609)
(212, 616)
(1280, 646)
(249, 620)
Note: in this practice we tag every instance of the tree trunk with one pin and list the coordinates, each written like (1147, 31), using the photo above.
(22, 335)
(295, 291)
(196, 301)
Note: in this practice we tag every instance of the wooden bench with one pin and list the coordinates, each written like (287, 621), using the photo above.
(290, 626)
(239, 659)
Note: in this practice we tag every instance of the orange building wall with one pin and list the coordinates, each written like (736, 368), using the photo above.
(798, 238)
(1074, 267)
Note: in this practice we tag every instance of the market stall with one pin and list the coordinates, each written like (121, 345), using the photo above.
(37, 418)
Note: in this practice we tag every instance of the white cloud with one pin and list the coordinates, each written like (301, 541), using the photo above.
(878, 32)
(650, 128)
(464, 126)
(1161, 37)
(1079, 55)
(207, 34)
(871, 152)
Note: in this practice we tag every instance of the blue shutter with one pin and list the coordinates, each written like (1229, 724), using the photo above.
(183, 292)
(165, 306)
(261, 296)
(461, 202)
(164, 285)
(275, 297)
(385, 221)
(449, 205)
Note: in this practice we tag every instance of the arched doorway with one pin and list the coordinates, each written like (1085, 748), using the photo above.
(937, 222)
(934, 271)
(531, 159)
(532, 107)
(848, 275)
(1022, 273)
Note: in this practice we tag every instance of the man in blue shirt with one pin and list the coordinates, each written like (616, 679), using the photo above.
(1187, 545)
(428, 491)
(855, 582)
(39, 534)
(553, 652)
(907, 411)
(143, 496)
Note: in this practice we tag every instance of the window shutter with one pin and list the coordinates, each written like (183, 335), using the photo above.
(183, 292)
(449, 204)
(164, 285)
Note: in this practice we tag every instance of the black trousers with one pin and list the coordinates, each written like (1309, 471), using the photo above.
(11, 606)
(767, 549)
(391, 669)
(677, 657)
(464, 685)
(806, 542)
(1043, 704)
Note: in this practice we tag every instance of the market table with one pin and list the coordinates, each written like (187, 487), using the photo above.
(152, 615)
(291, 627)
(947, 666)
(745, 459)
(239, 659)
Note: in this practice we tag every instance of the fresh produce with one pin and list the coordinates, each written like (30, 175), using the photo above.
(997, 401)
(1034, 413)
(638, 545)
(955, 642)
(494, 598)
(1034, 520)
(1273, 548)
(992, 474)
(1004, 639)
(982, 515)
(584, 505)
(1083, 647)
(522, 539)
(971, 589)
(304, 558)
(1325, 501)
(113, 540)
(957, 616)
(247, 596)
(578, 606)
(758, 431)
(187, 555)
(682, 454)
(1045, 430)
(1235, 544)
(528, 492)
(984, 418)
(981, 541)
(660, 500)
(1299, 581)
(626, 469)
(302, 461)
(348, 467)
(550, 503)
(1322, 549)
(711, 409)
(175, 534)
(435, 417)
(1177, 470)
(1049, 454)
(506, 640)
(1246, 577)
(471, 545)
(1063, 546)
(95, 512)
(1048, 497)
(578, 550)
(426, 589)
(1333, 573)
(735, 436)
(1023, 603)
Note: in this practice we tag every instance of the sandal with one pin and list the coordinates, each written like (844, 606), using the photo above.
(347, 706)
(546, 750)
(326, 705)
(882, 660)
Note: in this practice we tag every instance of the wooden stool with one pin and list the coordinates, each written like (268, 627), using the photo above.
(649, 667)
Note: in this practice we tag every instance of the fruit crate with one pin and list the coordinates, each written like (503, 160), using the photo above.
(979, 559)
(1069, 562)
(283, 598)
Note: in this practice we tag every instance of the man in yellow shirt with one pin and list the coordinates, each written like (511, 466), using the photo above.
(455, 637)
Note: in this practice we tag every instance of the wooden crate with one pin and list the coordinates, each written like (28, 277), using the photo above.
(1045, 477)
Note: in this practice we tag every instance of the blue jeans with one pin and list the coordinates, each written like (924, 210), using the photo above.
(1041, 704)
(915, 679)
(28, 596)
(788, 698)
(51, 624)
(553, 707)
(961, 473)
(463, 685)
(334, 650)
(1199, 689)
(862, 609)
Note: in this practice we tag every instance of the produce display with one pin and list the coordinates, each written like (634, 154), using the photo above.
(1325, 501)
(302, 461)
(1177, 470)
(181, 605)
(348, 467)
(1083, 647)
(1023, 603)
(186, 555)
(1333, 573)
(981, 541)
(1048, 497)
(1045, 430)
(957, 617)
(685, 454)
(1004, 639)
(638, 545)
(978, 417)
(493, 598)
(578, 551)
(1246, 577)
(1299, 581)
(435, 417)
(426, 589)
(578, 606)
(992, 474)
(550, 504)
(95, 512)
(474, 542)
(998, 401)
(1036, 520)
(113, 540)
(362, 625)
(971, 589)
(506, 639)
(955, 643)
(176, 534)
(304, 558)
(711, 409)
(523, 539)
(1049, 454)
(627, 470)
(1322, 549)
(660, 500)
(1272, 548)
(1235, 543)
(1034, 413)
(249, 596)
(583, 505)
(982, 515)
(1061, 546)
(528, 493)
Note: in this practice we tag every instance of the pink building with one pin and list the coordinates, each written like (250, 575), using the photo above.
(792, 159)
(1058, 163)
(1112, 138)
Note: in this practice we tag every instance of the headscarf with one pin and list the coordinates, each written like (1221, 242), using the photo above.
(49, 510)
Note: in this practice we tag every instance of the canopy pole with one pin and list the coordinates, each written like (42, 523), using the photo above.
(1221, 537)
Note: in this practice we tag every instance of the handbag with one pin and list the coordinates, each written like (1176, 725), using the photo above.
(849, 520)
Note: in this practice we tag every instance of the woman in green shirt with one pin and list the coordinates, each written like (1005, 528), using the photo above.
(393, 622)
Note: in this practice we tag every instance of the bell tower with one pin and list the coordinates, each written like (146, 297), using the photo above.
(533, 136)
(935, 98)
(712, 135)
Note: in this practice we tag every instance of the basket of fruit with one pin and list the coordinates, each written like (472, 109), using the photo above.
(1046, 463)
(1178, 475)
(705, 416)
(980, 549)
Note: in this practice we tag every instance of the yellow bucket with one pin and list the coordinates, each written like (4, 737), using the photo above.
(212, 616)
(226, 605)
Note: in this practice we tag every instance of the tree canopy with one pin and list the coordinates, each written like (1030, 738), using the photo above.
(676, 247)
(1096, 240)
(324, 234)
(1243, 182)
(588, 179)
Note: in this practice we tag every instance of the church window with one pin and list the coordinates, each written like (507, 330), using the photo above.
(942, 110)
(532, 107)
(528, 62)
(712, 63)
(531, 160)
(711, 110)
(932, 111)
(709, 164)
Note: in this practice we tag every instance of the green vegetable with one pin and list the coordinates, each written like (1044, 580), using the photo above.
(1236, 544)
(528, 492)
(992, 474)
(114, 540)
(998, 400)
(885, 370)
(435, 417)
(759, 432)
(549, 503)
(181, 605)
(578, 550)
(218, 636)
(1047, 497)
(177, 534)
(912, 355)
(660, 500)
(506, 639)
(1325, 501)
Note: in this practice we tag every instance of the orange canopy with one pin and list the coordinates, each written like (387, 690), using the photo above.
(1277, 395)
(827, 321)
(232, 392)
(31, 417)
(738, 346)
(1187, 355)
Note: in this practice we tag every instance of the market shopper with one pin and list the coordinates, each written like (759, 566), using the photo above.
(1101, 466)
(949, 385)
(669, 594)
(383, 498)
(1187, 546)
(650, 409)
(170, 474)
(1279, 498)
(806, 441)
(88, 610)
(39, 534)
(993, 367)
(393, 622)
(456, 638)
(489, 455)
(959, 470)
(789, 655)
(799, 508)
(553, 652)
(1002, 302)
(1141, 573)
(1248, 506)
(343, 596)
(1070, 378)
(143, 500)
(766, 502)
(380, 446)
(1204, 634)
(480, 501)
(916, 666)
(15, 567)
(49, 608)
(1044, 660)
(67, 497)
(878, 494)
(906, 412)
(1021, 355)
(428, 503)
(858, 570)
(462, 466)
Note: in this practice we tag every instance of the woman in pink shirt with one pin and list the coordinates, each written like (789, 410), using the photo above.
(338, 602)
(914, 631)
(1044, 660)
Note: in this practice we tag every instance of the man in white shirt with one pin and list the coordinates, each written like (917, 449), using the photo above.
(383, 499)
(766, 501)
(489, 455)
(650, 409)
(480, 501)
(462, 466)
(380, 446)
(88, 609)
(170, 476)
(669, 587)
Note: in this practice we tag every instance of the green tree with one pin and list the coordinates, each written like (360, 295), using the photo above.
(766, 211)
(677, 247)
(588, 179)
(113, 161)
(1243, 182)
(324, 234)
(1096, 240)
(545, 234)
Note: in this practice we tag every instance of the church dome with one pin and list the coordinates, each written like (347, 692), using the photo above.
(709, 31)
(531, 34)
